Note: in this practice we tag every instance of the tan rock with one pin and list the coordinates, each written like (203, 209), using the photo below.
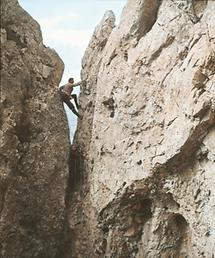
(147, 143)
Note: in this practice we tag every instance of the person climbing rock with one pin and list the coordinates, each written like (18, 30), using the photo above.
(65, 93)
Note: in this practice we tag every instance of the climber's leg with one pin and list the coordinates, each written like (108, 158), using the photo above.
(72, 107)
(74, 96)
(66, 100)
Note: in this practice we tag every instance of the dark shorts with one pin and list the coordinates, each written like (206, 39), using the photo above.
(64, 96)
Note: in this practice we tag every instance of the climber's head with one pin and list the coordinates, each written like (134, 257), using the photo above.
(71, 80)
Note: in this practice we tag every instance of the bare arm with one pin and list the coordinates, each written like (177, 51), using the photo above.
(77, 84)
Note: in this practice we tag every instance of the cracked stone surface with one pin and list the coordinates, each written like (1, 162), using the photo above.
(34, 140)
(142, 164)
(147, 135)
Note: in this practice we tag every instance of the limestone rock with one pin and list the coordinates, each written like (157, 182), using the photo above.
(147, 135)
(34, 141)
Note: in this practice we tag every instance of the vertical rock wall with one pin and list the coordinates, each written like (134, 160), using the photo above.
(81, 215)
(34, 140)
(147, 135)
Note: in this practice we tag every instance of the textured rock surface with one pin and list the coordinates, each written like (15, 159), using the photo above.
(34, 140)
(147, 135)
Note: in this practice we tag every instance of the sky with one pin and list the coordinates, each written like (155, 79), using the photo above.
(67, 26)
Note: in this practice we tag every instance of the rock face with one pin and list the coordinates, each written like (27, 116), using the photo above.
(147, 138)
(34, 141)
(142, 165)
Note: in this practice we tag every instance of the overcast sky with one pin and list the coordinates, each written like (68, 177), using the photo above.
(67, 26)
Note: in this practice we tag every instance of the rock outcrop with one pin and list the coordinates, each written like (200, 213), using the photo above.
(146, 141)
(142, 164)
(34, 141)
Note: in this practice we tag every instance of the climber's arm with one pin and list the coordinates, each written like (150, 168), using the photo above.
(77, 83)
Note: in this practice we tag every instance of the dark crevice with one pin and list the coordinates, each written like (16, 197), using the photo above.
(176, 234)
(22, 129)
(76, 167)
(176, 225)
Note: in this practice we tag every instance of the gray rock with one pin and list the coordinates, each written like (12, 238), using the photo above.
(34, 141)
(47, 71)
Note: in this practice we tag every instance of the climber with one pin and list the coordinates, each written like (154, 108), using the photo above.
(65, 93)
